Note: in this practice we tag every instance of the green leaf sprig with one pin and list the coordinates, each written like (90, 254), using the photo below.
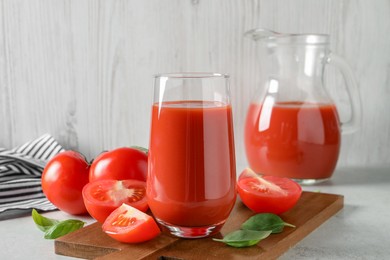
(244, 238)
(140, 148)
(266, 221)
(54, 228)
(255, 229)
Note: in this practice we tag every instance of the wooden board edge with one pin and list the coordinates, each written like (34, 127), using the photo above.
(81, 250)
(168, 241)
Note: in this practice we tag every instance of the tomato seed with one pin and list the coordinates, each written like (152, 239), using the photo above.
(100, 194)
(136, 194)
(123, 221)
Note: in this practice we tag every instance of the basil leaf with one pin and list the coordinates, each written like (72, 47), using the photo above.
(63, 228)
(243, 238)
(265, 221)
(54, 228)
(42, 222)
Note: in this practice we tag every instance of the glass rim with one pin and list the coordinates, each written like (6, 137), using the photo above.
(191, 75)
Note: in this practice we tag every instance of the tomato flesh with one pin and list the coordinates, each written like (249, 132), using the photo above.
(267, 194)
(119, 164)
(103, 197)
(129, 225)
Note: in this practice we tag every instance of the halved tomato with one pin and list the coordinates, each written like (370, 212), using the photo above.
(129, 225)
(267, 194)
(103, 197)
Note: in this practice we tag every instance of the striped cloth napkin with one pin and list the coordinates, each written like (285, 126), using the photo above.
(20, 176)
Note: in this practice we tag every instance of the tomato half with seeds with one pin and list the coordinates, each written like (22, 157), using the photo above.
(267, 194)
(129, 225)
(103, 197)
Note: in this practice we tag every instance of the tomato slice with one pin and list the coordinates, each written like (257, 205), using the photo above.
(129, 225)
(267, 194)
(104, 196)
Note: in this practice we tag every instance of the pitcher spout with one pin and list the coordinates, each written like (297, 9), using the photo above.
(260, 33)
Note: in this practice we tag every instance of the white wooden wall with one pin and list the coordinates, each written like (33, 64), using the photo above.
(82, 70)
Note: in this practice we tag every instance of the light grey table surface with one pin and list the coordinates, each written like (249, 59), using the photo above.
(361, 230)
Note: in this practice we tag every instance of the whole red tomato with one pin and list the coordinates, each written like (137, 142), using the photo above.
(120, 164)
(63, 180)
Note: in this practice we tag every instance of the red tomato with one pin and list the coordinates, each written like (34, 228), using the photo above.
(129, 225)
(103, 197)
(63, 180)
(120, 164)
(267, 194)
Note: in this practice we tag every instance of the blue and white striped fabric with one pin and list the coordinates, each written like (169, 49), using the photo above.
(20, 175)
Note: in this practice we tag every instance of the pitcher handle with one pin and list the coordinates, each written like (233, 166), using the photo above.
(353, 124)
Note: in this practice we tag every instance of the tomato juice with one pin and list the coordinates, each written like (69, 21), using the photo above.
(293, 139)
(191, 178)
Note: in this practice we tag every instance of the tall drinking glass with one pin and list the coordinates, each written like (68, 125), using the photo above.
(191, 174)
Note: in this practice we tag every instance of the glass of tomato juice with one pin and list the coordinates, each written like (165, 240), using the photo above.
(191, 184)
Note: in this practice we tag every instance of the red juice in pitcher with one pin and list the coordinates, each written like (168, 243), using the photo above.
(297, 140)
(198, 189)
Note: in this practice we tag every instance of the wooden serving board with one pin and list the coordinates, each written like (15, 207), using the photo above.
(311, 211)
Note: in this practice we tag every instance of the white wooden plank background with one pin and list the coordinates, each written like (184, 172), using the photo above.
(82, 70)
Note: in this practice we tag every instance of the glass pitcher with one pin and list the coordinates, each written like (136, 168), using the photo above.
(292, 127)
